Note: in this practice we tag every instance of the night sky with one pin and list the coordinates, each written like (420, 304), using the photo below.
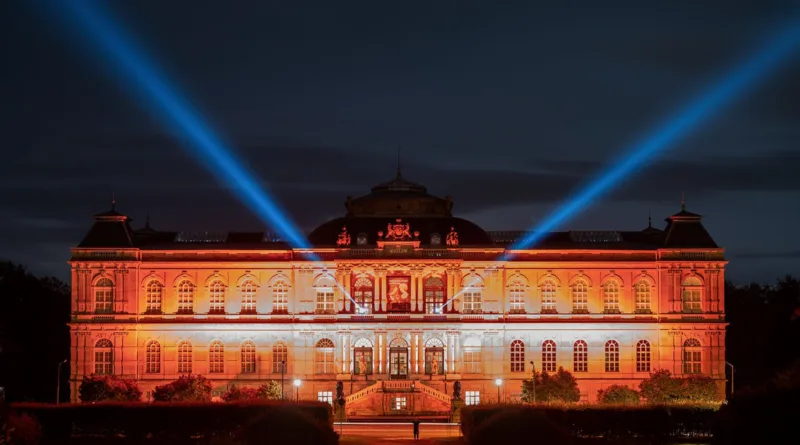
(505, 108)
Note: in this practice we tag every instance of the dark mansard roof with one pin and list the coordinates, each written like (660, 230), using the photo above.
(387, 203)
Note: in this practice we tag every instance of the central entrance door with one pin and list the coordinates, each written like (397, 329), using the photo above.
(398, 359)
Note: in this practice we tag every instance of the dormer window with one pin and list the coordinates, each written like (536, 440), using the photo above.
(436, 239)
(361, 239)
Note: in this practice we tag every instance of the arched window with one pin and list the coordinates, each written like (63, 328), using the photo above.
(549, 356)
(692, 358)
(611, 297)
(216, 357)
(580, 297)
(248, 297)
(363, 290)
(184, 357)
(643, 356)
(362, 357)
(185, 297)
(280, 298)
(279, 357)
(153, 293)
(153, 357)
(516, 297)
(433, 289)
(580, 356)
(473, 301)
(642, 291)
(434, 357)
(324, 357)
(517, 356)
(692, 290)
(548, 291)
(216, 297)
(104, 357)
(612, 356)
(248, 357)
(104, 296)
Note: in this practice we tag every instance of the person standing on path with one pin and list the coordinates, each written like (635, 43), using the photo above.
(416, 428)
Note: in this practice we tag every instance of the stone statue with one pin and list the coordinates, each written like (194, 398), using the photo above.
(435, 365)
(457, 390)
(344, 238)
(362, 365)
(339, 390)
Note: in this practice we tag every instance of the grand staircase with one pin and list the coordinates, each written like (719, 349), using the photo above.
(392, 400)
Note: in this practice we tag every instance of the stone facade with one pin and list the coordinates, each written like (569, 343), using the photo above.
(608, 306)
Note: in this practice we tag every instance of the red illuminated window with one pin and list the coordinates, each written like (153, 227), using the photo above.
(611, 297)
(153, 357)
(516, 297)
(580, 356)
(280, 298)
(248, 297)
(104, 357)
(216, 296)
(324, 357)
(434, 295)
(216, 357)
(363, 290)
(153, 296)
(248, 357)
(642, 291)
(643, 356)
(612, 356)
(692, 357)
(279, 358)
(692, 290)
(104, 296)
(185, 357)
(549, 356)
(185, 297)
(580, 297)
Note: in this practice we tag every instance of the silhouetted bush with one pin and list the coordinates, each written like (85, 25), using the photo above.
(188, 388)
(618, 395)
(21, 429)
(517, 425)
(560, 386)
(610, 422)
(765, 416)
(662, 387)
(271, 391)
(108, 388)
(175, 422)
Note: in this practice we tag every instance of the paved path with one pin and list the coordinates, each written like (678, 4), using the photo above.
(397, 433)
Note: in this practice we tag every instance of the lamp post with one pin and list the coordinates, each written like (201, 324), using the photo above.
(283, 372)
(533, 380)
(297, 384)
(58, 383)
(498, 381)
(732, 370)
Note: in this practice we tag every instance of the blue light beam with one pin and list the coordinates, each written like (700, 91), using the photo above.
(142, 80)
(745, 75)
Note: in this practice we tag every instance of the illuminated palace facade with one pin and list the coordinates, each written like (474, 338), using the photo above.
(397, 297)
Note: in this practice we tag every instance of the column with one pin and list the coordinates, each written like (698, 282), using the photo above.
(456, 354)
(412, 359)
(384, 354)
(414, 278)
(337, 291)
(376, 355)
(457, 289)
(420, 292)
(449, 289)
(450, 349)
(348, 289)
(383, 290)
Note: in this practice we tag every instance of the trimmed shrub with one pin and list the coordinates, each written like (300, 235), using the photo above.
(188, 388)
(174, 422)
(618, 395)
(516, 425)
(641, 422)
(108, 388)
(662, 388)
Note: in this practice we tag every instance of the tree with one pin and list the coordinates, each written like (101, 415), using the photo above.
(662, 387)
(270, 391)
(558, 387)
(698, 388)
(34, 336)
(188, 388)
(109, 388)
(618, 395)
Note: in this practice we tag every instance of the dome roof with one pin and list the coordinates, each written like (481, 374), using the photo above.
(405, 200)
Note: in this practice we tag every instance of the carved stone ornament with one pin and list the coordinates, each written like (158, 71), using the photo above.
(452, 237)
(397, 231)
(344, 238)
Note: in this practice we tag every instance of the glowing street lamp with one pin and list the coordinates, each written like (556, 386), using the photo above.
(297, 384)
(499, 382)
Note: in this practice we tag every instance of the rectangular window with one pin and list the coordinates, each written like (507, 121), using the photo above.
(516, 303)
(103, 301)
(280, 301)
(472, 397)
(433, 301)
(362, 361)
(472, 302)
(399, 404)
(103, 363)
(472, 362)
(691, 362)
(325, 396)
(691, 301)
(580, 300)
(325, 302)
(324, 361)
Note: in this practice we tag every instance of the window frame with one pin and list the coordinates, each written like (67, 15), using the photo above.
(643, 356)
(152, 357)
(216, 357)
(611, 351)
(517, 356)
(103, 296)
(549, 356)
(249, 357)
(580, 356)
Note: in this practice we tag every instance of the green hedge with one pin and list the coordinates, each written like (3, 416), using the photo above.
(180, 421)
(612, 422)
